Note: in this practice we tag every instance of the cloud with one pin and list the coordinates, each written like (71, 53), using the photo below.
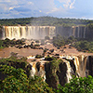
(35, 8)
(71, 5)
(5, 0)
(67, 3)
(30, 3)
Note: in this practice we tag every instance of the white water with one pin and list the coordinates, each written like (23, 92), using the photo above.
(69, 69)
(28, 32)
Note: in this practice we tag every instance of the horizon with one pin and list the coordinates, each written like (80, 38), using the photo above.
(46, 16)
(73, 9)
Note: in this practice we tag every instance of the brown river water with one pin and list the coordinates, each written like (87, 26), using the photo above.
(25, 52)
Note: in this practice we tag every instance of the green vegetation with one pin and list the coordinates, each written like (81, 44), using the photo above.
(13, 61)
(47, 38)
(83, 45)
(45, 21)
(77, 85)
(37, 41)
(14, 79)
(59, 41)
(17, 82)
(39, 56)
(1, 44)
(7, 42)
(48, 58)
(90, 25)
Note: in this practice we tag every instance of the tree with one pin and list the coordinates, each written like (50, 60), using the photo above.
(47, 38)
(1, 43)
(77, 85)
(17, 82)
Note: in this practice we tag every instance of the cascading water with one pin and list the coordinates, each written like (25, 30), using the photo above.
(28, 32)
(40, 32)
(69, 70)
(33, 70)
(80, 66)
(42, 72)
(37, 72)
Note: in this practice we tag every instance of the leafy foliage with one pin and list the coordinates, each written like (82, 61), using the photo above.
(59, 41)
(45, 21)
(39, 56)
(84, 45)
(1, 44)
(17, 82)
(77, 85)
(7, 42)
(13, 61)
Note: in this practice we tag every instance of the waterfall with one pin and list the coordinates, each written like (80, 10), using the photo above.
(76, 62)
(73, 31)
(40, 32)
(42, 72)
(82, 65)
(78, 31)
(28, 32)
(68, 71)
(51, 32)
(84, 32)
(38, 72)
(79, 62)
(33, 71)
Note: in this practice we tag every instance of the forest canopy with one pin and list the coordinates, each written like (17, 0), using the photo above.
(45, 21)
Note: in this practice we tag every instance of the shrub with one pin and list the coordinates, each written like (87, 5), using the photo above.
(17, 82)
(77, 85)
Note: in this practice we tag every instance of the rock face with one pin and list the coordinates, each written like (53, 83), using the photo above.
(1, 34)
(89, 66)
(60, 72)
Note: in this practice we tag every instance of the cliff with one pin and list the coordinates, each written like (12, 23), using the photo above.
(60, 71)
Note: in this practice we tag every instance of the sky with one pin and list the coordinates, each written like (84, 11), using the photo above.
(82, 9)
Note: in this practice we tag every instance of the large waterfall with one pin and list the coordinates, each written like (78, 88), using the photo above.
(28, 32)
(40, 32)
(79, 31)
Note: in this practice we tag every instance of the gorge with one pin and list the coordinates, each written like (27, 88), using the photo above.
(63, 69)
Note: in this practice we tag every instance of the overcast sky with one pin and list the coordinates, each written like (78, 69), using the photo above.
(82, 9)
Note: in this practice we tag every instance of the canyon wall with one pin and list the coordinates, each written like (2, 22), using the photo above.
(79, 31)
(64, 31)
(1, 33)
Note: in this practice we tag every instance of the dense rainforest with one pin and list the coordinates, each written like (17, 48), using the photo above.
(44, 21)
